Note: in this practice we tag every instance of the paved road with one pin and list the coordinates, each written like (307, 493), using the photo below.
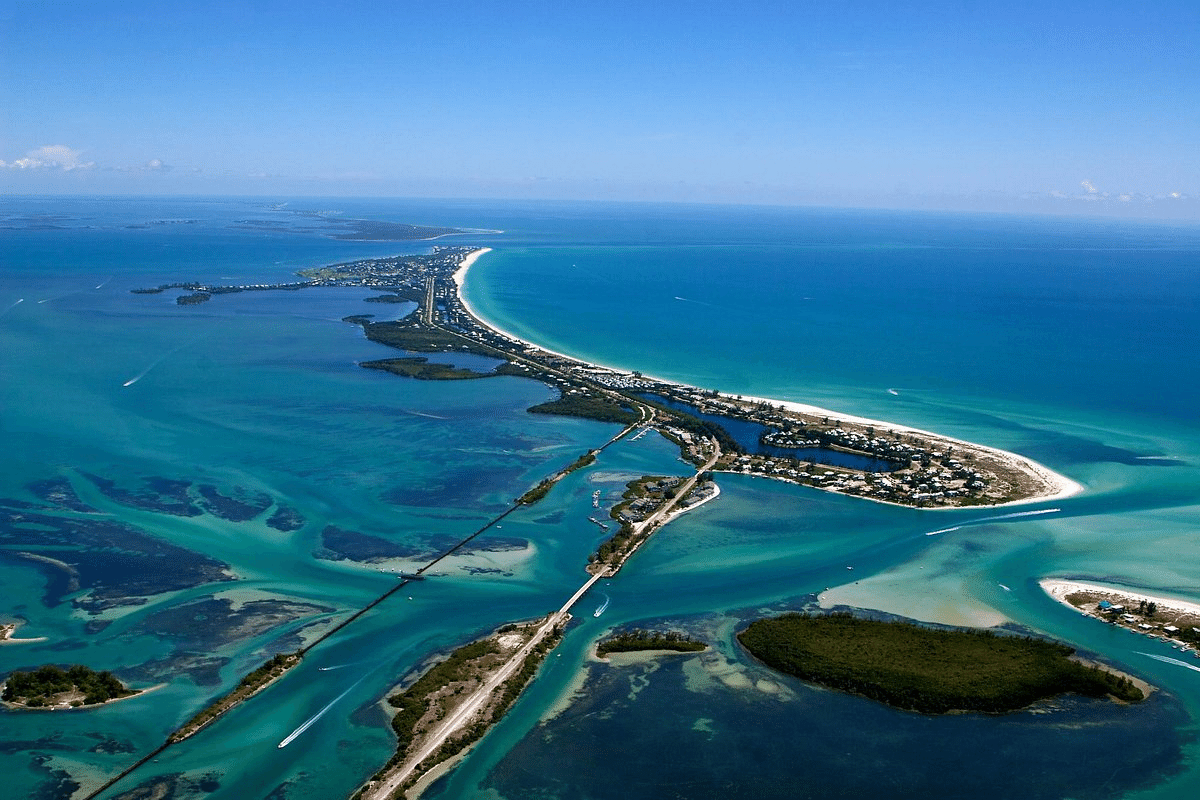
(476, 701)
(480, 696)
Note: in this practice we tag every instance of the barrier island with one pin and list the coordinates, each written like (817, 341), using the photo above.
(932, 671)
(454, 703)
(786, 441)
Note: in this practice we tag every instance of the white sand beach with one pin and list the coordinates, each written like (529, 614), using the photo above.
(7, 631)
(1059, 486)
(1168, 607)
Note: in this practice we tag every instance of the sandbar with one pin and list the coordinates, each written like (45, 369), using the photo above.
(7, 630)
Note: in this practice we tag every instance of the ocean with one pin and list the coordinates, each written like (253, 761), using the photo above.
(207, 485)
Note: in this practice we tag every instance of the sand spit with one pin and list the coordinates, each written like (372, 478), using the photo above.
(1056, 486)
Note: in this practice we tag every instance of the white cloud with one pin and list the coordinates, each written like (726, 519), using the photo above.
(50, 157)
(1089, 186)
(153, 165)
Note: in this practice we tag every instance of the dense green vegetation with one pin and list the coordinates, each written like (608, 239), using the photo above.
(412, 703)
(256, 680)
(419, 367)
(638, 639)
(536, 493)
(589, 406)
(926, 670)
(543, 488)
(509, 691)
(408, 335)
(38, 687)
(585, 460)
(688, 421)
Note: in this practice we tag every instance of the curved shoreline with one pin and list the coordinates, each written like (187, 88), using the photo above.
(1061, 485)
(1060, 588)
(7, 631)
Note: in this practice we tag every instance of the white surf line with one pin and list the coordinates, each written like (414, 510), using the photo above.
(12, 306)
(313, 719)
(997, 518)
(1169, 660)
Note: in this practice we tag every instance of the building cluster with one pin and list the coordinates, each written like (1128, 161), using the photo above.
(920, 473)
(400, 272)
(916, 485)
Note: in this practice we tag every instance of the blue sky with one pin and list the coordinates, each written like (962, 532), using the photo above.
(1062, 106)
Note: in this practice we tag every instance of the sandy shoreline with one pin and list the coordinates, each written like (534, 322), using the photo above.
(1059, 589)
(67, 707)
(1061, 484)
(8, 631)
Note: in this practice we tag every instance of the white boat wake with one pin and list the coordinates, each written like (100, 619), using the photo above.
(422, 414)
(156, 362)
(57, 297)
(11, 307)
(1169, 660)
(313, 719)
(997, 518)
(141, 374)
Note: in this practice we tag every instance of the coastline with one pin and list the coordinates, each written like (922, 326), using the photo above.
(68, 707)
(1061, 486)
(1060, 588)
(7, 630)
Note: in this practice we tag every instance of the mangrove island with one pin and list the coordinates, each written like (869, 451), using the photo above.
(932, 671)
(53, 687)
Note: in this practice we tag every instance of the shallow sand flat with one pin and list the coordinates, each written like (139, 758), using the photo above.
(918, 590)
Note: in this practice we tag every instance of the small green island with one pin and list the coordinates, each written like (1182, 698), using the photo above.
(928, 670)
(53, 687)
(638, 639)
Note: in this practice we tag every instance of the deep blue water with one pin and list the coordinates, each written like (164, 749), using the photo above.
(1070, 341)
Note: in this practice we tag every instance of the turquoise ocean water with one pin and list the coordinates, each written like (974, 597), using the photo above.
(1070, 341)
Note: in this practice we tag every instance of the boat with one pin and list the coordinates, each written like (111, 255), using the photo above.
(600, 610)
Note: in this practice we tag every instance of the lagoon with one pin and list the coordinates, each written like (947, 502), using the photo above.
(1063, 340)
